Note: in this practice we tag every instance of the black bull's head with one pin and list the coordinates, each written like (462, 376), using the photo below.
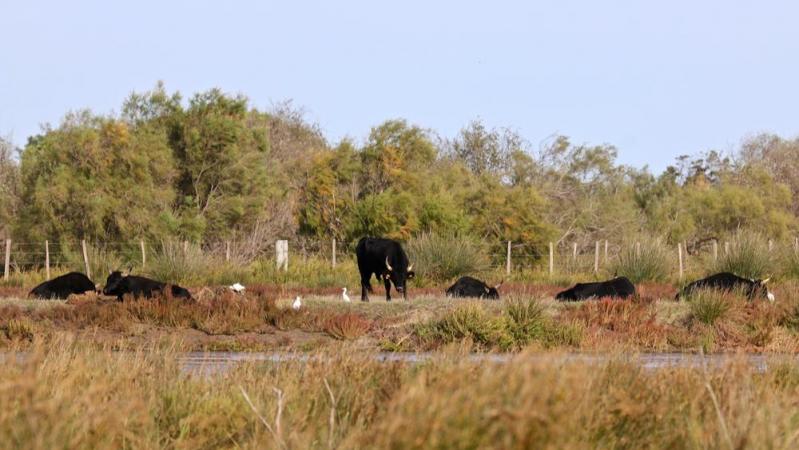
(399, 277)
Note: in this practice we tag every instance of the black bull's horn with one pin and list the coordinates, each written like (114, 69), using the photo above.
(390, 269)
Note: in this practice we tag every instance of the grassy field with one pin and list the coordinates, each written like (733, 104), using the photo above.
(68, 395)
(527, 318)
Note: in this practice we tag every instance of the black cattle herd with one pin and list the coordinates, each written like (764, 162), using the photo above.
(387, 261)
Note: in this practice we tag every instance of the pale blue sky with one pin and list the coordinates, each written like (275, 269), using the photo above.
(656, 79)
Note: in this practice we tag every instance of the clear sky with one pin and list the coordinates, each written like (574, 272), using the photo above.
(656, 79)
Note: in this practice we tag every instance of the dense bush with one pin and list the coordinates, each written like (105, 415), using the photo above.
(438, 257)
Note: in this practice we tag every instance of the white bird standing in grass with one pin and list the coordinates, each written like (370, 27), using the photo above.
(236, 287)
(297, 304)
(344, 295)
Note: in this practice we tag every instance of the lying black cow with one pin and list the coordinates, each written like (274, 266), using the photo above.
(140, 287)
(726, 281)
(619, 287)
(387, 261)
(61, 287)
(472, 287)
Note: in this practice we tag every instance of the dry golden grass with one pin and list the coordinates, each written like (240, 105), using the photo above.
(72, 396)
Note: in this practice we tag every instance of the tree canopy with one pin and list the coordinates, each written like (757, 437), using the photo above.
(212, 167)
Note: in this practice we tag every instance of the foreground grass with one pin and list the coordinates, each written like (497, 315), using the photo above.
(72, 396)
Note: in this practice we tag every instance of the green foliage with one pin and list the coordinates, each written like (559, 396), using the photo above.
(509, 214)
(789, 263)
(650, 262)
(210, 167)
(711, 204)
(527, 319)
(327, 198)
(748, 257)
(485, 151)
(528, 322)
(523, 322)
(395, 155)
(9, 186)
(102, 261)
(708, 306)
(95, 178)
(173, 263)
(469, 321)
(441, 257)
(222, 164)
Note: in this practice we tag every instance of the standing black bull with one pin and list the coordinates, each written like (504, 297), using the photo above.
(387, 261)
(472, 287)
(726, 281)
(61, 287)
(619, 287)
(120, 285)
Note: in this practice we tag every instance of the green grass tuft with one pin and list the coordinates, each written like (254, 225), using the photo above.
(650, 262)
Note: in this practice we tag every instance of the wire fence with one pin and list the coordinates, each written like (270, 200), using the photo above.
(560, 258)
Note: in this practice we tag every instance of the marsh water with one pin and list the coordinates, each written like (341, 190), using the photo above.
(209, 363)
(216, 362)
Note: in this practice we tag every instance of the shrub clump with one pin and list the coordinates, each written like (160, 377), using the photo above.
(790, 264)
(528, 322)
(175, 263)
(18, 329)
(748, 256)
(347, 326)
(521, 323)
(709, 306)
(649, 262)
(469, 321)
(438, 257)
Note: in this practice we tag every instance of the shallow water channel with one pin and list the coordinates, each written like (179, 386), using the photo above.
(220, 362)
(209, 363)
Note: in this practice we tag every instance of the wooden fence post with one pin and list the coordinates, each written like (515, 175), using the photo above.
(282, 254)
(551, 259)
(770, 245)
(715, 250)
(679, 255)
(596, 257)
(574, 251)
(507, 261)
(7, 266)
(606, 251)
(227, 251)
(47, 258)
(86, 258)
(185, 247)
(637, 249)
(726, 248)
(333, 259)
(143, 254)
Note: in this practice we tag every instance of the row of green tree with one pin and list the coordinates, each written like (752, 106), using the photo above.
(214, 168)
